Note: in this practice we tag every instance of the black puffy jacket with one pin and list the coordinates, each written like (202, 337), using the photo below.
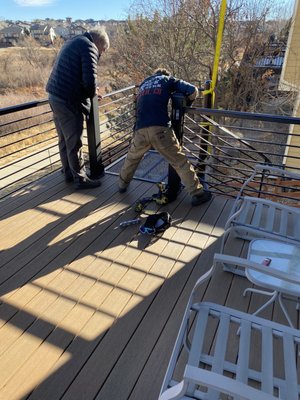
(74, 74)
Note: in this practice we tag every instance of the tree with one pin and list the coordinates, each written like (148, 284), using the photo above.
(181, 35)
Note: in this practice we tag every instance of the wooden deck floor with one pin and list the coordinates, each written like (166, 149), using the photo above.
(89, 310)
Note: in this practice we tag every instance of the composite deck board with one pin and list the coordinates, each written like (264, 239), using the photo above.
(147, 286)
(27, 165)
(33, 194)
(62, 206)
(147, 333)
(175, 291)
(91, 311)
(74, 232)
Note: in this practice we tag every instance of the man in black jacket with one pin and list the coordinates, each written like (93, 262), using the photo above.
(71, 86)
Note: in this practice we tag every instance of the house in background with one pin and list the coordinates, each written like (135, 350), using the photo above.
(46, 31)
(12, 35)
(44, 34)
(62, 31)
(77, 30)
(290, 81)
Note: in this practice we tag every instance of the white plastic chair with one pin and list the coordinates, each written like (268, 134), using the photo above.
(226, 370)
(253, 217)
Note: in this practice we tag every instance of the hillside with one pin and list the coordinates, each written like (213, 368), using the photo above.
(26, 70)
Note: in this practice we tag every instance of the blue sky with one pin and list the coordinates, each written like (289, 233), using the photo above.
(28, 10)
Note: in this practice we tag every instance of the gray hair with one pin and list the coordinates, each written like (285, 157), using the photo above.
(100, 37)
(162, 71)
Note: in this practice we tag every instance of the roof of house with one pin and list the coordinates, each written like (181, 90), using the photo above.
(12, 29)
(274, 62)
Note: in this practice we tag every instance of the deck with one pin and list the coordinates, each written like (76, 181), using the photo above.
(90, 310)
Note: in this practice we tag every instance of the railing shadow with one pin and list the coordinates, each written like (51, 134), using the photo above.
(101, 330)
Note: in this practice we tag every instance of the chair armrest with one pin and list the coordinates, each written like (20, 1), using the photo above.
(259, 169)
(203, 278)
(174, 392)
(224, 384)
(244, 263)
(277, 171)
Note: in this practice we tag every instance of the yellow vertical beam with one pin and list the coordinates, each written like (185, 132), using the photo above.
(219, 40)
(206, 126)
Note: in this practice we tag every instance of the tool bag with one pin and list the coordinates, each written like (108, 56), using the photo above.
(156, 223)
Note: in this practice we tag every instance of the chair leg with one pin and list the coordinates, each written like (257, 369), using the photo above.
(270, 301)
(259, 291)
(223, 239)
(284, 310)
(235, 271)
(273, 297)
(229, 267)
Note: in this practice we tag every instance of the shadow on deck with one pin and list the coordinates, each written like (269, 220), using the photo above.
(89, 310)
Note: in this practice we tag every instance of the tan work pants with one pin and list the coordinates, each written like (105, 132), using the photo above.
(163, 140)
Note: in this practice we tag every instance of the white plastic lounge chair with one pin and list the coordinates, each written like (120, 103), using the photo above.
(252, 217)
(225, 371)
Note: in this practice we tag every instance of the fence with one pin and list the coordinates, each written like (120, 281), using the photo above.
(28, 140)
(228, 144)
(223, 144)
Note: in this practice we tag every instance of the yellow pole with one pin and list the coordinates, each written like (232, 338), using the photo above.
(217, 50)
(206, 126)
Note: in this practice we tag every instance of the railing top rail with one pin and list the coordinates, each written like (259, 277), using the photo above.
(247, 115)
(23, 106)
(119, 91)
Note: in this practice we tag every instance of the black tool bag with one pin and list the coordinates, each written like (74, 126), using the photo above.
(156, 223)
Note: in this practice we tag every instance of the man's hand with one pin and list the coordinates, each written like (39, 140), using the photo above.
(189, 102)
(98, 93)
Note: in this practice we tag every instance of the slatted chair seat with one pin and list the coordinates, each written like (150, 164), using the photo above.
(227, 369)
(256, 217)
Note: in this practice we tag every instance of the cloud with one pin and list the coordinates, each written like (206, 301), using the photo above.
(33, 3)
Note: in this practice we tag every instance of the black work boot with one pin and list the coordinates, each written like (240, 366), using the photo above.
(200, 198)
(87, 183)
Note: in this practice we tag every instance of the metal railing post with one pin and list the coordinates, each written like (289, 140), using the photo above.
(205, 132)
(94, 140)
(177, 118)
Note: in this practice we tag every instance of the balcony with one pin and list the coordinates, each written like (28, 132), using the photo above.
(90, 310)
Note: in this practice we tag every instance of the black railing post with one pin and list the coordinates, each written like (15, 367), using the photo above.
(94, 142)
(207, 103)
(177, 118)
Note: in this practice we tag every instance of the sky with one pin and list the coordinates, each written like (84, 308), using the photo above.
(28, 10)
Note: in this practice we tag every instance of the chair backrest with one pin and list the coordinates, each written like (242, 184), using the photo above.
(276, 184)
(228, 367)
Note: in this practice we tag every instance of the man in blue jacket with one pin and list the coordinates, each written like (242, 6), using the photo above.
(153, 129)
(71, 86)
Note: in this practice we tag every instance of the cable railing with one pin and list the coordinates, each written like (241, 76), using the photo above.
(228, 148)
(28, 139)
(223, 145)
(118, 112)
